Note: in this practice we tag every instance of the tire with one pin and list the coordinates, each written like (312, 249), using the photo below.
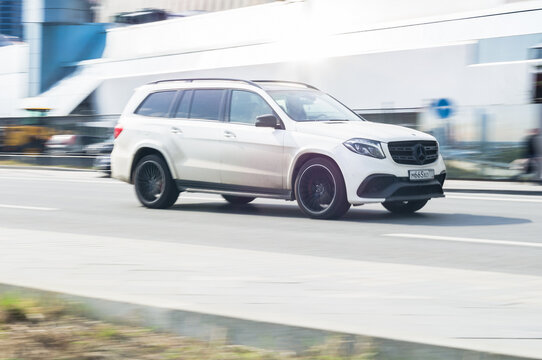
(153, 183)
(238, 200)
(320, 190)
(404, 207)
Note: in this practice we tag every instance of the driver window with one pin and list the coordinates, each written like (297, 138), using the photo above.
(247, 106)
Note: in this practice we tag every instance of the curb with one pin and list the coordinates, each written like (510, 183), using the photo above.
(270, 336)
(38, 167)
(53, 161)
(494, 191)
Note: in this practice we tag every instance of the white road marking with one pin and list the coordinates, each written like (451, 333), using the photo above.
(466, 240)
(26, 207)
(490, 198)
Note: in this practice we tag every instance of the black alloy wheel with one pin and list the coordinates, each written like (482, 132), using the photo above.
(154, 185)
(320, 189)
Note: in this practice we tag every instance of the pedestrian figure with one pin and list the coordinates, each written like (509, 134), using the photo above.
(531, 152)
(538, 154)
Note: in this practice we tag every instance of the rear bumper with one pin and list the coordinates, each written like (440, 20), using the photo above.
(393, 188)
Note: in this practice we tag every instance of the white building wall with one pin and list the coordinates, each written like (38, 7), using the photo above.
(382, 63)
(13, 79)
(107, 9)
(33, 17)
(345, 15)
(389, 65)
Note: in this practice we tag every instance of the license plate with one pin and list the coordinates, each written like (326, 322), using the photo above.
(416, 175)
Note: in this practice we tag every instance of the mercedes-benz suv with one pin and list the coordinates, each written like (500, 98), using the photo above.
(275, 139)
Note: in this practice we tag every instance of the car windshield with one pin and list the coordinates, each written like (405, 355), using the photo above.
(310, 105)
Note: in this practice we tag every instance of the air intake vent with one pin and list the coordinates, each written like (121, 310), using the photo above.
(413, 152)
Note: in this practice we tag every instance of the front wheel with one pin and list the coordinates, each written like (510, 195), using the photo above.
(238, 200)
(404, 207)
(154, 185)
(320, 189)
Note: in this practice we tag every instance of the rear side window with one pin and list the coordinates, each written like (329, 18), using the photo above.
(156, 104)
(206, 104)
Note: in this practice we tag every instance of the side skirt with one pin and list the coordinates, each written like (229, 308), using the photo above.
(234, 190)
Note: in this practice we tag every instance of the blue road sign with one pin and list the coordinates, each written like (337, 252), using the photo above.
(444, 108)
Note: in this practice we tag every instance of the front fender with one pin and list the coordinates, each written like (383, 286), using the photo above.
(306, 152)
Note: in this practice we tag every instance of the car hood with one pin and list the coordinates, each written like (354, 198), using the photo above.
(345, 130)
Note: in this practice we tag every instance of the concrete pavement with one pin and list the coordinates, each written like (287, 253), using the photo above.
(485, 311)
(463, 272)
(493, 187)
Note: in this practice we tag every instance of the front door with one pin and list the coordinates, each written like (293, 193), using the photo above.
(251, 156)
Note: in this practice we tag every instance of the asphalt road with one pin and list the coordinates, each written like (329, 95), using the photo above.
(497, 233)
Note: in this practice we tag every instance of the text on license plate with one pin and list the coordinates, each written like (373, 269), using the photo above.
(421, 174)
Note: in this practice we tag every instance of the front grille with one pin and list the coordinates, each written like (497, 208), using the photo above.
(413, 152)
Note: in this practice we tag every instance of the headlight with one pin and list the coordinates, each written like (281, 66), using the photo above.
(365, 147)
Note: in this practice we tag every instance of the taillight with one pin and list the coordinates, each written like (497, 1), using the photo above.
(118, 130)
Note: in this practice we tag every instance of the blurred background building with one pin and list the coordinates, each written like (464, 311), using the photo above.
(11, 12)
(106, 10)
(466, 71)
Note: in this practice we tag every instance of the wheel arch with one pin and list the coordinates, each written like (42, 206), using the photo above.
(149, 150)
(300, 160)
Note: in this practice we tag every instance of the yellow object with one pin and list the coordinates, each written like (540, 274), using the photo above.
(25, 138)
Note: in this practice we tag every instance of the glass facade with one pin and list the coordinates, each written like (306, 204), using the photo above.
(11, 18)
(508, 48)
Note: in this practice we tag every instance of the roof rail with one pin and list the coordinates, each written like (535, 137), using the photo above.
(285, 82)
(207, 79)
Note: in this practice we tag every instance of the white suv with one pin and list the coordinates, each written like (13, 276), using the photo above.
(274, 139)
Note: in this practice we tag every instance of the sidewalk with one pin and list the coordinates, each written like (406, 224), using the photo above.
(493, 187)
(477, 310)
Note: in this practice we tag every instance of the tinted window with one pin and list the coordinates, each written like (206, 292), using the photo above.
(184, 105)
(156, 104)
(206, 104)
(247, 106)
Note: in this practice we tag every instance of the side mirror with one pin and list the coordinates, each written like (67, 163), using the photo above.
(268, 121)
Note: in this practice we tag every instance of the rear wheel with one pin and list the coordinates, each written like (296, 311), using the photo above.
(320, 190)
(238, 200)
(404, 207)
(154, 185)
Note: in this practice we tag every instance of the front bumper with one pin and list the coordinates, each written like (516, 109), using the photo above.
(370, 180)
(393, 188)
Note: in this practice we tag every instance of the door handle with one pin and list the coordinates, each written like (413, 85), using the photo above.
(175, 130)
(229, 134)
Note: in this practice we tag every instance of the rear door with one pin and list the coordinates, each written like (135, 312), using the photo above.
(152, 123)
(196, 129)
